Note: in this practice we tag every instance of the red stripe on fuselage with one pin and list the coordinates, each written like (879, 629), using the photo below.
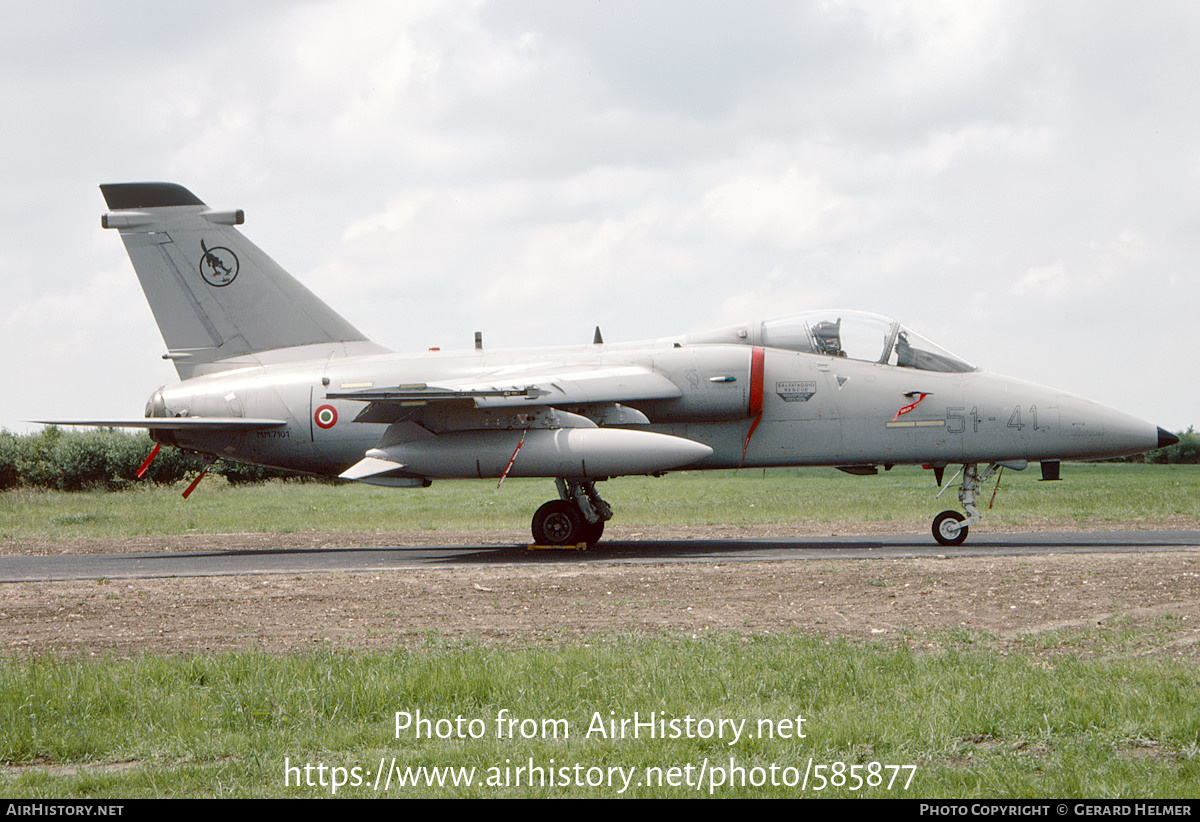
(757, 366)
(758, 358)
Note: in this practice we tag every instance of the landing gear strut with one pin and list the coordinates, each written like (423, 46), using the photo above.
(578, 516)
(950, 527)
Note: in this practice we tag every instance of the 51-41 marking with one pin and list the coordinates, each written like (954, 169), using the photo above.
(957, 421)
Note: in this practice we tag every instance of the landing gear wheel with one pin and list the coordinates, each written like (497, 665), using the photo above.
(592, 531)
(947, 530)
(558, 522)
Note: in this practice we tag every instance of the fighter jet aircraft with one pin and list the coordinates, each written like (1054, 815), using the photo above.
(271, 375)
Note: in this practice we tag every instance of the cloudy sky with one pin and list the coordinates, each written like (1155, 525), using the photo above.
(1018, 181)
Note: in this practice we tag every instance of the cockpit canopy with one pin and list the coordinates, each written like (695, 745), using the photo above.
(856, 335)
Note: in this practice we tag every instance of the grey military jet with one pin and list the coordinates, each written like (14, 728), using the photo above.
(271, 375)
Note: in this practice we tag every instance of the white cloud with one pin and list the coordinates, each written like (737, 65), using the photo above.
(531, 168)
(1046, 282)
(790, 209)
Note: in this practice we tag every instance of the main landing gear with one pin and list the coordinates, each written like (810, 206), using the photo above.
(950, 527)
(578, 516)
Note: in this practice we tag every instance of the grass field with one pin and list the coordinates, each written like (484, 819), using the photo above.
(1088, 493)
(1080, 713)
(877, 721)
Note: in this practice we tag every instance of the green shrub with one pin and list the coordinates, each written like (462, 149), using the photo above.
(1184, 452)
(109, 459)
(10, 452)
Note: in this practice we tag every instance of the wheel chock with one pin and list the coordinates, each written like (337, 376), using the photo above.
(581, 546)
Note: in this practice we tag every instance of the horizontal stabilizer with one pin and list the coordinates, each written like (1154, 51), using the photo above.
(176, 423)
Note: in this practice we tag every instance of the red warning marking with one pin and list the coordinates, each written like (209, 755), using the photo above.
(146, 465)
(325, 416)
(911, 406)
(187, 493)
(513, 458)
(746, 444)
(757, 361)
(757, 368)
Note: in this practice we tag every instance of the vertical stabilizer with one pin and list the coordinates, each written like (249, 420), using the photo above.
(219, 301)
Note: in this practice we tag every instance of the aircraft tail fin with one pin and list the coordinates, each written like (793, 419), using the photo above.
(219, 301)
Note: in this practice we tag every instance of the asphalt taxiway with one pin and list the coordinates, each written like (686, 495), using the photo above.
(32, 568)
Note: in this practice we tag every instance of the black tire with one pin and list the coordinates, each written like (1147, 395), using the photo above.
(947, 534)
(592, 531)
(558, 522)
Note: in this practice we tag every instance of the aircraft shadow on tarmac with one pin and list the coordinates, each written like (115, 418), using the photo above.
(23, 568)
(848, 547)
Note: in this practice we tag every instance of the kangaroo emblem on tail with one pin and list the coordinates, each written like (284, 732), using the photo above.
(219, 266)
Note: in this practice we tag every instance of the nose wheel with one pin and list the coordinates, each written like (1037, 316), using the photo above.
(951, 527)
(948, 528)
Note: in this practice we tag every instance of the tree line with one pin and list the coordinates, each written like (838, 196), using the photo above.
(106, 459)
(1184, 452)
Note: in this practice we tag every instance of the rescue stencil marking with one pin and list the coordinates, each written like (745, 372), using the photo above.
(795, 391)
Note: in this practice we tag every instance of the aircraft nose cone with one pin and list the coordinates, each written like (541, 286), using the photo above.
(1166, 438)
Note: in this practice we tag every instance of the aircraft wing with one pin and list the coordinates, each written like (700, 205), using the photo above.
(176, 423)
(516, 388)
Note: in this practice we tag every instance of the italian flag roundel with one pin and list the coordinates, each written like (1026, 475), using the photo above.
(325, 417)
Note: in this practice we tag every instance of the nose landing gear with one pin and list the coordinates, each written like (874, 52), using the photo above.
(950, 527)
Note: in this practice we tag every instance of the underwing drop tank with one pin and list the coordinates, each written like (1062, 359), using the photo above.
(582, 453)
